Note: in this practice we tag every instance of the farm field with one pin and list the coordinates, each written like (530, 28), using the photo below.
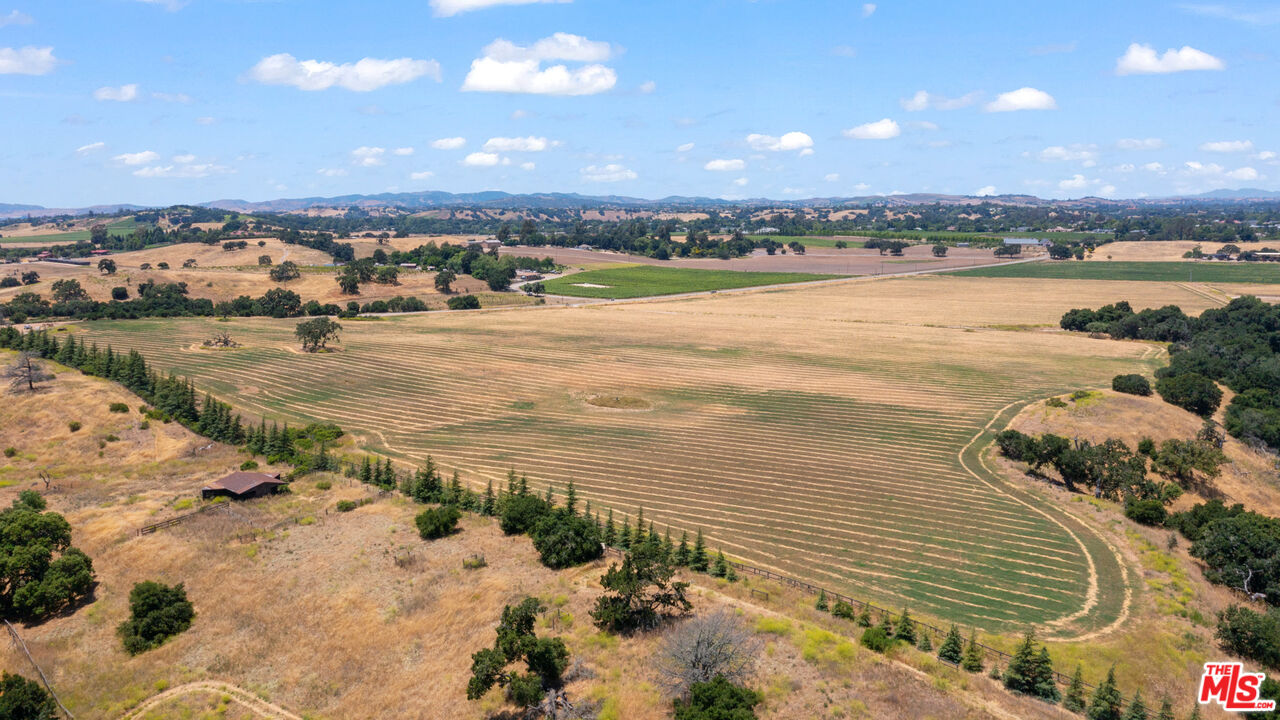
(123, 226)
(1147, 251)
(824, 432)
(1215, 272)
(633, 281)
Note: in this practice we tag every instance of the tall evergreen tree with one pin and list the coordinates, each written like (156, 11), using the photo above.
(952, 648)
(523, 488)
(972, 661)
(721, 566)
(668, 548)
(822, 603)
(682, 552)
(906, 630)
(490, 505)
(624, 537)
(571, 499)
(1045, 684)
(1073, 699)
(698, 558)
(924, 644)
(1107, 700)
(1137, 709)
(366, 471)
(550, 496)
(1166, 710)
(610, 531)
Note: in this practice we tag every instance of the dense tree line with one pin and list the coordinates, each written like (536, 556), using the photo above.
(1237, 345)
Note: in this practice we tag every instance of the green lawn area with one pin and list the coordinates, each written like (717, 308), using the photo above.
(1154, 271)
(634, 281)
(118, 227)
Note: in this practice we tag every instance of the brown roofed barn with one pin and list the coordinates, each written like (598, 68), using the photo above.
(243, 485)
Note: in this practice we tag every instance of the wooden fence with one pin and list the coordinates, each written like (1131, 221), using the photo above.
(148, 529)
(999, 656)
(21, 645)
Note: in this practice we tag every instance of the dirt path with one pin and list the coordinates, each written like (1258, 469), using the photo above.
(240, 696)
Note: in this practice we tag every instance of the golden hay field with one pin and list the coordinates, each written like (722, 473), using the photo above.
(1150, 251)
(816, 431)
(326, 615)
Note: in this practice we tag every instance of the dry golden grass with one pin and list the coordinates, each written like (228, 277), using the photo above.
(208, 256)
(1148, 251)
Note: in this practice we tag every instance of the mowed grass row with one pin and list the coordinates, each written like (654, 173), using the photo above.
(1216, 272)
(837, 466)
(634, 281)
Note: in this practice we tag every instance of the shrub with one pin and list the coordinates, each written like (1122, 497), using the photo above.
(1055, 402)
(144, 425)
(1080, 395)
(464, 302)
(521, 513)
(717, 700)
(1145, 512)
(1190, 391)
(74, 426)
(1251, 634)
(475, 562)
(876, 639)
(10, 451)
(249, 465)
(23, 699)
(842, 609)
(347, 505)
(112, 438)
(120, 293)
(324, 485)
(1131, 385)
(118, 407)
(157, 613)
(437, 522)
(565, 540)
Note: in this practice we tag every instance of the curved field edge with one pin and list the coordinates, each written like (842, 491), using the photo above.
(1110, 591)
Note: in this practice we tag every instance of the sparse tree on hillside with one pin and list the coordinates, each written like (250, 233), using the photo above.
(704, 648)
(952, 649)
(285, 271)
(107, 266)
(939, 250)
(445, 279)
(25, 372)
(1107, 700)
(317, 333)
(545, 659)
(264, 259)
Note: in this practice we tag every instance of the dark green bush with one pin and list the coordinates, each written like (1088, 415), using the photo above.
(118, 407)
(1190, 391)
(521, 513)
(157, 613)
(1131, 385)
(1251, 634)
(876, 639)
(437, 522)
(74, 426)
(249, 465)
(464, 302)
(10, 451)
(23, 699)
(1145, 512)
(565, 540)
(347, 505)
(717, 700)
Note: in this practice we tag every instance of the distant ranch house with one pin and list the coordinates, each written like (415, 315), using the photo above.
(486, 244)
(1028, 242)
(243, 486)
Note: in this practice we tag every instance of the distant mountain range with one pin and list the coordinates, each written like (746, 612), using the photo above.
(497, 200)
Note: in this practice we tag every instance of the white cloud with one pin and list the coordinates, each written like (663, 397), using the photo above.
(362, 76)
(985, 191)
(1140, 143)
(1026, 98)
(741, 182)
(528, 166)
(481, 159)
(451, 143)
(138, 158)
(788, 142)
(647, 88)
(15, 18)
(331, 172)
(832, 177)
(403, 152)
(1107, 190)
(1228, 146)
(1250, 17)
(1215, 172)
(806, 152)
(90, 148)
(1266, 155)
(366, 156)
(725, 165)
(518, 144)
(1142, 60)
(182, 171)
(862, 187)
(1075, 182)
(923, 100)
(685, 147)
(27, 61)
(449, 8)
(424, 175)
(124, 93)
(924, 125)
(878, 130)
(172, 97)
(520, 114)
(1154, 167)
(868, 9)
(608, 173)
(184, 159)
(1126, 167)
(510, 68)
(1086, 154)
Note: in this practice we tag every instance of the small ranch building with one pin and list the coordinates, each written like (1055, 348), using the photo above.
(243, 486)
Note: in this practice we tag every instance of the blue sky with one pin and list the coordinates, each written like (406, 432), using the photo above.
(164, 101)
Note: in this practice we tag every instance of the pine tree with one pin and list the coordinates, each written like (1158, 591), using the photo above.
(972, 661)
(721, 566)
(523, 488)
(1195, 713)
(624, 537)
(1020, 676)
(952, 649)
(906, 630)
(730, 574)
(511, 481)
(698, 559)
(490, 505)
(1073, 700)
(924, 644)
(1045, 686)
(668, 548)
(1137, 710)
(864, 617)
(366, 471)
(653, 534)
(822, 603)
(639, 536)
(1107, 700)
(1166, 710)
(571, 499)
(610, 531)
(456, 493)
(886, 624)
(550, 497)
(682, 551)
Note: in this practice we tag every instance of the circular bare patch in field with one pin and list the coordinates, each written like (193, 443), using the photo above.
(619, 402)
